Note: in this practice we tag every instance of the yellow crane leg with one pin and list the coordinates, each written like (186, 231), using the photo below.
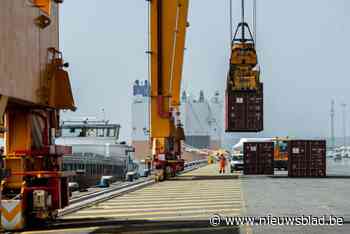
(17, 139)
(36, 187)
(3, 104)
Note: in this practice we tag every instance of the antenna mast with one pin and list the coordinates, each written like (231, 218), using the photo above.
(332, 125)
(344, 123)
(243, 27)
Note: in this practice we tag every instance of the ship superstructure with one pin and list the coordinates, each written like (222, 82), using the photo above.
(95, 149)
(202, 119)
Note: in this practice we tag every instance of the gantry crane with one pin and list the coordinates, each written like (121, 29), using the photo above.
(34, 87)
(168, 24)
(244, 92)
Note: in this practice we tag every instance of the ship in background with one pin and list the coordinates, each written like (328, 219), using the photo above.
(96, 151)
(202, 119)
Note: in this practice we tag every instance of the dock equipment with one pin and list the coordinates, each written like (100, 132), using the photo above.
(244, 92)
(35, 86)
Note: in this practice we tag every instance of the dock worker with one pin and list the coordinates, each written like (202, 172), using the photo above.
(222, 163)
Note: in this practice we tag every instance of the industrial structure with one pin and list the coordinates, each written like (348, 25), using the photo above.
(35, 87)
(343, 105)
(34, 90)
(332, 125)
(202, 119)
(244, 90)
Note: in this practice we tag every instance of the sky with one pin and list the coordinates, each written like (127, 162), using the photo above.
(303, 48)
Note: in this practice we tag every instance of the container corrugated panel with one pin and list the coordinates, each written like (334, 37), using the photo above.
(258, 158)
(307, 158)
(244, 111)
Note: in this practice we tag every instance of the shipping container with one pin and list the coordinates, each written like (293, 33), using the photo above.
(307, 158)
(244, 111)
(258, 158)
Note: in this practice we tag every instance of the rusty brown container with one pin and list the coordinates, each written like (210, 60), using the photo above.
(258, 158)
(307, 158)
(244, 111)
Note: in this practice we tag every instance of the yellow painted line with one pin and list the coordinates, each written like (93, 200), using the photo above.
(155, 203)
(175, 203)
(197, 193)
(202, 216)
(198, 186)
(189, 179)
(186, 189)
(164, 196)
(209, 190)
(200, 189)
(152, 209)
(118, 205)
(195, 182)
(192, 187)
(184, 204)
(128, 215)
(185, 192)
(169, 199)
(194, 196)
(176, 200)
(189, 189)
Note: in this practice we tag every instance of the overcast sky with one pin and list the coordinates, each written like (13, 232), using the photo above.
(303, 49)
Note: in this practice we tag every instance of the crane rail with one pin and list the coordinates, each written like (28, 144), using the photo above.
(177, 206)
(106, 194)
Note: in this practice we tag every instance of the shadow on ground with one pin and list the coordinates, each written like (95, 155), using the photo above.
(136, 226)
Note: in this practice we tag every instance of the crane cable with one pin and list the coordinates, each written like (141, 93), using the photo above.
(254, 21)
(243, 20)
(231, 24)
(242, 11)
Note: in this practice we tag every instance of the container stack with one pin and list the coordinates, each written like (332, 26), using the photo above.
(245, 111)
(258, 158)
(307, 158)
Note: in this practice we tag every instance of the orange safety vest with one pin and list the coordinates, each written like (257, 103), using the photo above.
(222, 162)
